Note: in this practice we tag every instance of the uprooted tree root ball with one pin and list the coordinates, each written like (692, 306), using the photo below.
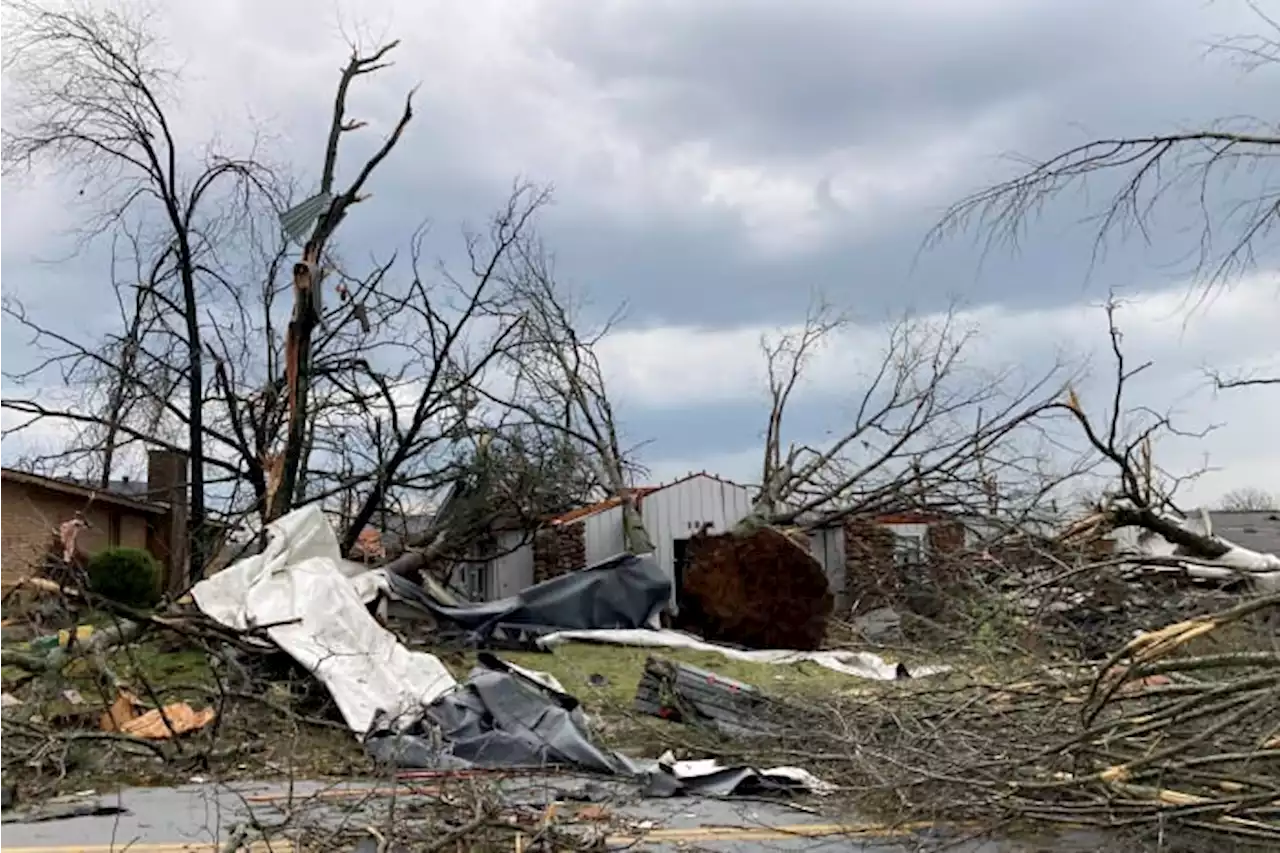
(761, 590)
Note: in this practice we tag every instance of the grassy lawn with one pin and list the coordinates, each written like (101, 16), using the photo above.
(574, 664)
(604, 678)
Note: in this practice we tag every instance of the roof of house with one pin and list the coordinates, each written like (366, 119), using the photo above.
(1257, 530)
(137, 489)
(88, 493)
(640, 492)
(398, 530)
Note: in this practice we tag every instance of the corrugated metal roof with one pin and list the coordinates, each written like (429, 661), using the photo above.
(640, 492)
(297, 220)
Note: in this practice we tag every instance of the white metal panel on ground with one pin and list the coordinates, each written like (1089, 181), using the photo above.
(513, 569)
(602, 535)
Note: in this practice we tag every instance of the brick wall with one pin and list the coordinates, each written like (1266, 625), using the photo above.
(870, 576)
(558, 550)
(946, 538)
(873, 579)
(29, 515)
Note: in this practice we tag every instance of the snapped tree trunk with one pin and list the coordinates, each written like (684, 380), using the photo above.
(306, 278)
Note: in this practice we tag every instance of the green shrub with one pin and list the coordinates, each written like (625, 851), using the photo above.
(127, 575)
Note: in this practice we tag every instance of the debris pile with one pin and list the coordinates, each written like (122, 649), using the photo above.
(761, 590)
(1169, 731)
(681, 693)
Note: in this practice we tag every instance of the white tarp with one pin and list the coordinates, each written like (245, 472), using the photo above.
(302, 587)
(859, 664)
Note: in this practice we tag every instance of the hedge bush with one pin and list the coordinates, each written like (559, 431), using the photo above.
(127, 575)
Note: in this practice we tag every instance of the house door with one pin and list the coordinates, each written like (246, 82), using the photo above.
(679, 563)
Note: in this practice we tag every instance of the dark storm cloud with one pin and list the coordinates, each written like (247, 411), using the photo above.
(766, 82)
(769, 82)
(795, 79)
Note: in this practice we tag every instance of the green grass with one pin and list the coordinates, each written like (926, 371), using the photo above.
(573, 664)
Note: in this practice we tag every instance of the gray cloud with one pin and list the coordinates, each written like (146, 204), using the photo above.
(773, 86)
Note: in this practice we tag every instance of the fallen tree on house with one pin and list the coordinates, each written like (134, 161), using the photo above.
(928, 433)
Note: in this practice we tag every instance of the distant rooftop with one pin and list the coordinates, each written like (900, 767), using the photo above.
(125, 486)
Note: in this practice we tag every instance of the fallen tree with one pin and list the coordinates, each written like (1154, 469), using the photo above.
(761, 589)
(1144, 497)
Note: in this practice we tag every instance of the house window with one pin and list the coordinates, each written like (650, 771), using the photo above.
(113, 535)
(908, 549)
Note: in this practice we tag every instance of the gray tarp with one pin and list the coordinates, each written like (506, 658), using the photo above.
(624, 592)
(500, 717)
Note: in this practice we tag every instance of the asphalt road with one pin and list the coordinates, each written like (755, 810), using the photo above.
(199, 818)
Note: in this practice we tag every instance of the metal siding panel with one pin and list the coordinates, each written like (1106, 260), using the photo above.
(603, 537)
(512, 572)
(668, 513)
(663, 532)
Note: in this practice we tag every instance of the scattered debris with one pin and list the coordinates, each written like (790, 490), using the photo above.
(879, 625)
(857, 664)
(51, 811)
(1163, 732)
(626, 591)
(687, 694)
(62, 639)
(169, 721)
(298, 590)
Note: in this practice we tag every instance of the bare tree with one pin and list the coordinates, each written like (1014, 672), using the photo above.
(1144, 495)
(1248, 499)
(1224, 172)
(307, 274)
(91, 98)
(422, 422)
(366, 399)
(558, 383)
(925, 430)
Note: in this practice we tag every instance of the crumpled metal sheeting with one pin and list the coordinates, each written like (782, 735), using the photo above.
(625, 592)
(497, 719)
(501, 717)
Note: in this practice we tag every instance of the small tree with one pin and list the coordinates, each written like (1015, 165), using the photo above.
(127, 575)
(1249, 498)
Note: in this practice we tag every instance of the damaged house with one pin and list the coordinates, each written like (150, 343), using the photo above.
(150, 515)
(853, 552)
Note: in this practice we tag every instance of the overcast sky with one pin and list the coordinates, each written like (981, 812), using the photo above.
(715, 162)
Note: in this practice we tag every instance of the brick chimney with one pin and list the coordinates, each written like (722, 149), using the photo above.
(167, 482)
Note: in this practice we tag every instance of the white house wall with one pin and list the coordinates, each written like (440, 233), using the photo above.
(512, 571)
(602, 535)
(681, 510)
(827, 546)
(675, 512)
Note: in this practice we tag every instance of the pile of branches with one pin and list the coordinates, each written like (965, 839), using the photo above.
(48, 735)
(1048, 598)
(1163, 736)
